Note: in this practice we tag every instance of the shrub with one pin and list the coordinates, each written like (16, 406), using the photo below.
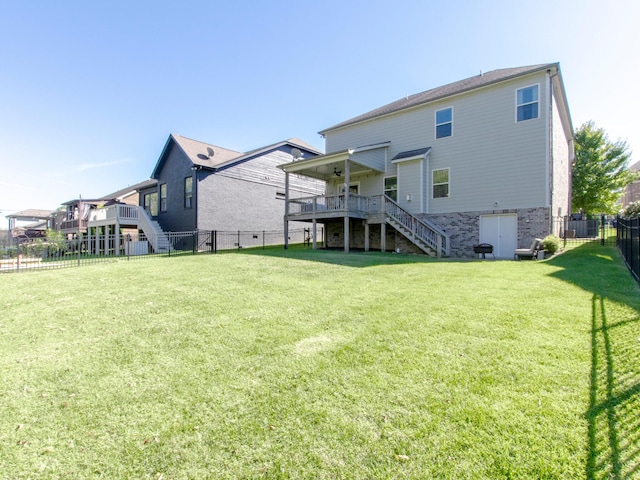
(632, 209)
(551, 244)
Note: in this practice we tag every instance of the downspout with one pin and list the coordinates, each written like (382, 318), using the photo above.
(549, 141)
(195, 196)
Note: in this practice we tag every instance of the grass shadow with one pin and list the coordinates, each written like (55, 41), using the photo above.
(614, 400)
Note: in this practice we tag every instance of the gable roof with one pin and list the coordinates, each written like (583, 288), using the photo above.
(199, 152)
(123, 192)
(438, 93)
(31, 214)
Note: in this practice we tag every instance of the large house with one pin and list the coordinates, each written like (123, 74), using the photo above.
(205, 187)
(483, 160)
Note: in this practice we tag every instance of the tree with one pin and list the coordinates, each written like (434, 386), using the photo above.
(600, 171)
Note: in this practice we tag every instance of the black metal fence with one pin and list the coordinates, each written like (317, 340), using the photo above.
(575, 229)
(628, 240)
(42, 255)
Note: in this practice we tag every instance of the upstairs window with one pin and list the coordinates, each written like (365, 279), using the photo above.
(163, 197)
(444, 122)
(391, 188)
(188, 192)
(440, 183)
(527, 103)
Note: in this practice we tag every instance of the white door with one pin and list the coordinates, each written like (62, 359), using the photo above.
(501, 232)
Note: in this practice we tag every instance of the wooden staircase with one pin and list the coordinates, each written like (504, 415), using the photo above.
(427, 236)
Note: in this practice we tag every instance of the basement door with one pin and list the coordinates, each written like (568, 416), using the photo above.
(501, 232)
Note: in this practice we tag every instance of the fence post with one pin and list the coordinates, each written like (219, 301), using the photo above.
(238, 239)
(602, 230)
(195, 242)
(263, 239)
(215, 241)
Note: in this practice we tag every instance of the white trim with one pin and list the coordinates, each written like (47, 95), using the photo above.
(528, 103)
(409, 159)
(436, 124)
(448, 182)
(549, 138)
(364, 148)
(384, 190)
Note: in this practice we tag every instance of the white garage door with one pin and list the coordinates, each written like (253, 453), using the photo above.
(501, 232)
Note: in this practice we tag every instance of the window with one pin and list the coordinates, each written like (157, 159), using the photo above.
(163, 197)
(391, 188)
(527, 103)
(151, 203)
(444, 122)
(440, 183)
(188, 192)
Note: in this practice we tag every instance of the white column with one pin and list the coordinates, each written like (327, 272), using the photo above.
(286, 210)
(346, 204)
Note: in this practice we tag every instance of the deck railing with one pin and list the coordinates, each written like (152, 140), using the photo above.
(422, 229)
(328, 204)
(120, 212)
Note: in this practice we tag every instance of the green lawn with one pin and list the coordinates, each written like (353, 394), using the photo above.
(322, 365)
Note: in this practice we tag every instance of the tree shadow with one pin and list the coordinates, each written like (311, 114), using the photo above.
(613, 416)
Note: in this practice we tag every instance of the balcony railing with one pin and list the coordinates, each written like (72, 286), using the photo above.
(120, 212)
(329, 204)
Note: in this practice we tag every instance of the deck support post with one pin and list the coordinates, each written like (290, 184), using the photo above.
(313, 234)
(366, 236)
(383, 237)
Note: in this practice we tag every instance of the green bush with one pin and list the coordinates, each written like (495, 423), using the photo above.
(551, 244)
(632, 209)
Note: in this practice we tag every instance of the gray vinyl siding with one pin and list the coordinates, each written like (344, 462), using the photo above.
(372, 158)
(491, 157)
(410, 183)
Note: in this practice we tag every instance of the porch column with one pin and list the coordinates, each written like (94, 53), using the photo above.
(383, 237)
(346, 204)
(315, 246)
(116, 238)
(286, 211)
(366, 236)
(97, 250)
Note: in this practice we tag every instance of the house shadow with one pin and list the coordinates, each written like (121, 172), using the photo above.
(354, 258)
(613, 416)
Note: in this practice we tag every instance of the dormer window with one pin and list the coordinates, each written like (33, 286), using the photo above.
(527, 103)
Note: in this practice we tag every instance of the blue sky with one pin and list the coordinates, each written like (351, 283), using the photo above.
(90, 91)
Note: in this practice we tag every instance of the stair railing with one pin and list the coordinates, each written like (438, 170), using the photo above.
(422, 229)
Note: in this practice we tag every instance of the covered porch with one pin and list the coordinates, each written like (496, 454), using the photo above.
(344, 205)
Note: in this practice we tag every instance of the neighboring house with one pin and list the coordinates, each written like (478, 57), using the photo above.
(104, 221)
(483, 160)
(632, 191)
(205, 187)
(29, 224)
